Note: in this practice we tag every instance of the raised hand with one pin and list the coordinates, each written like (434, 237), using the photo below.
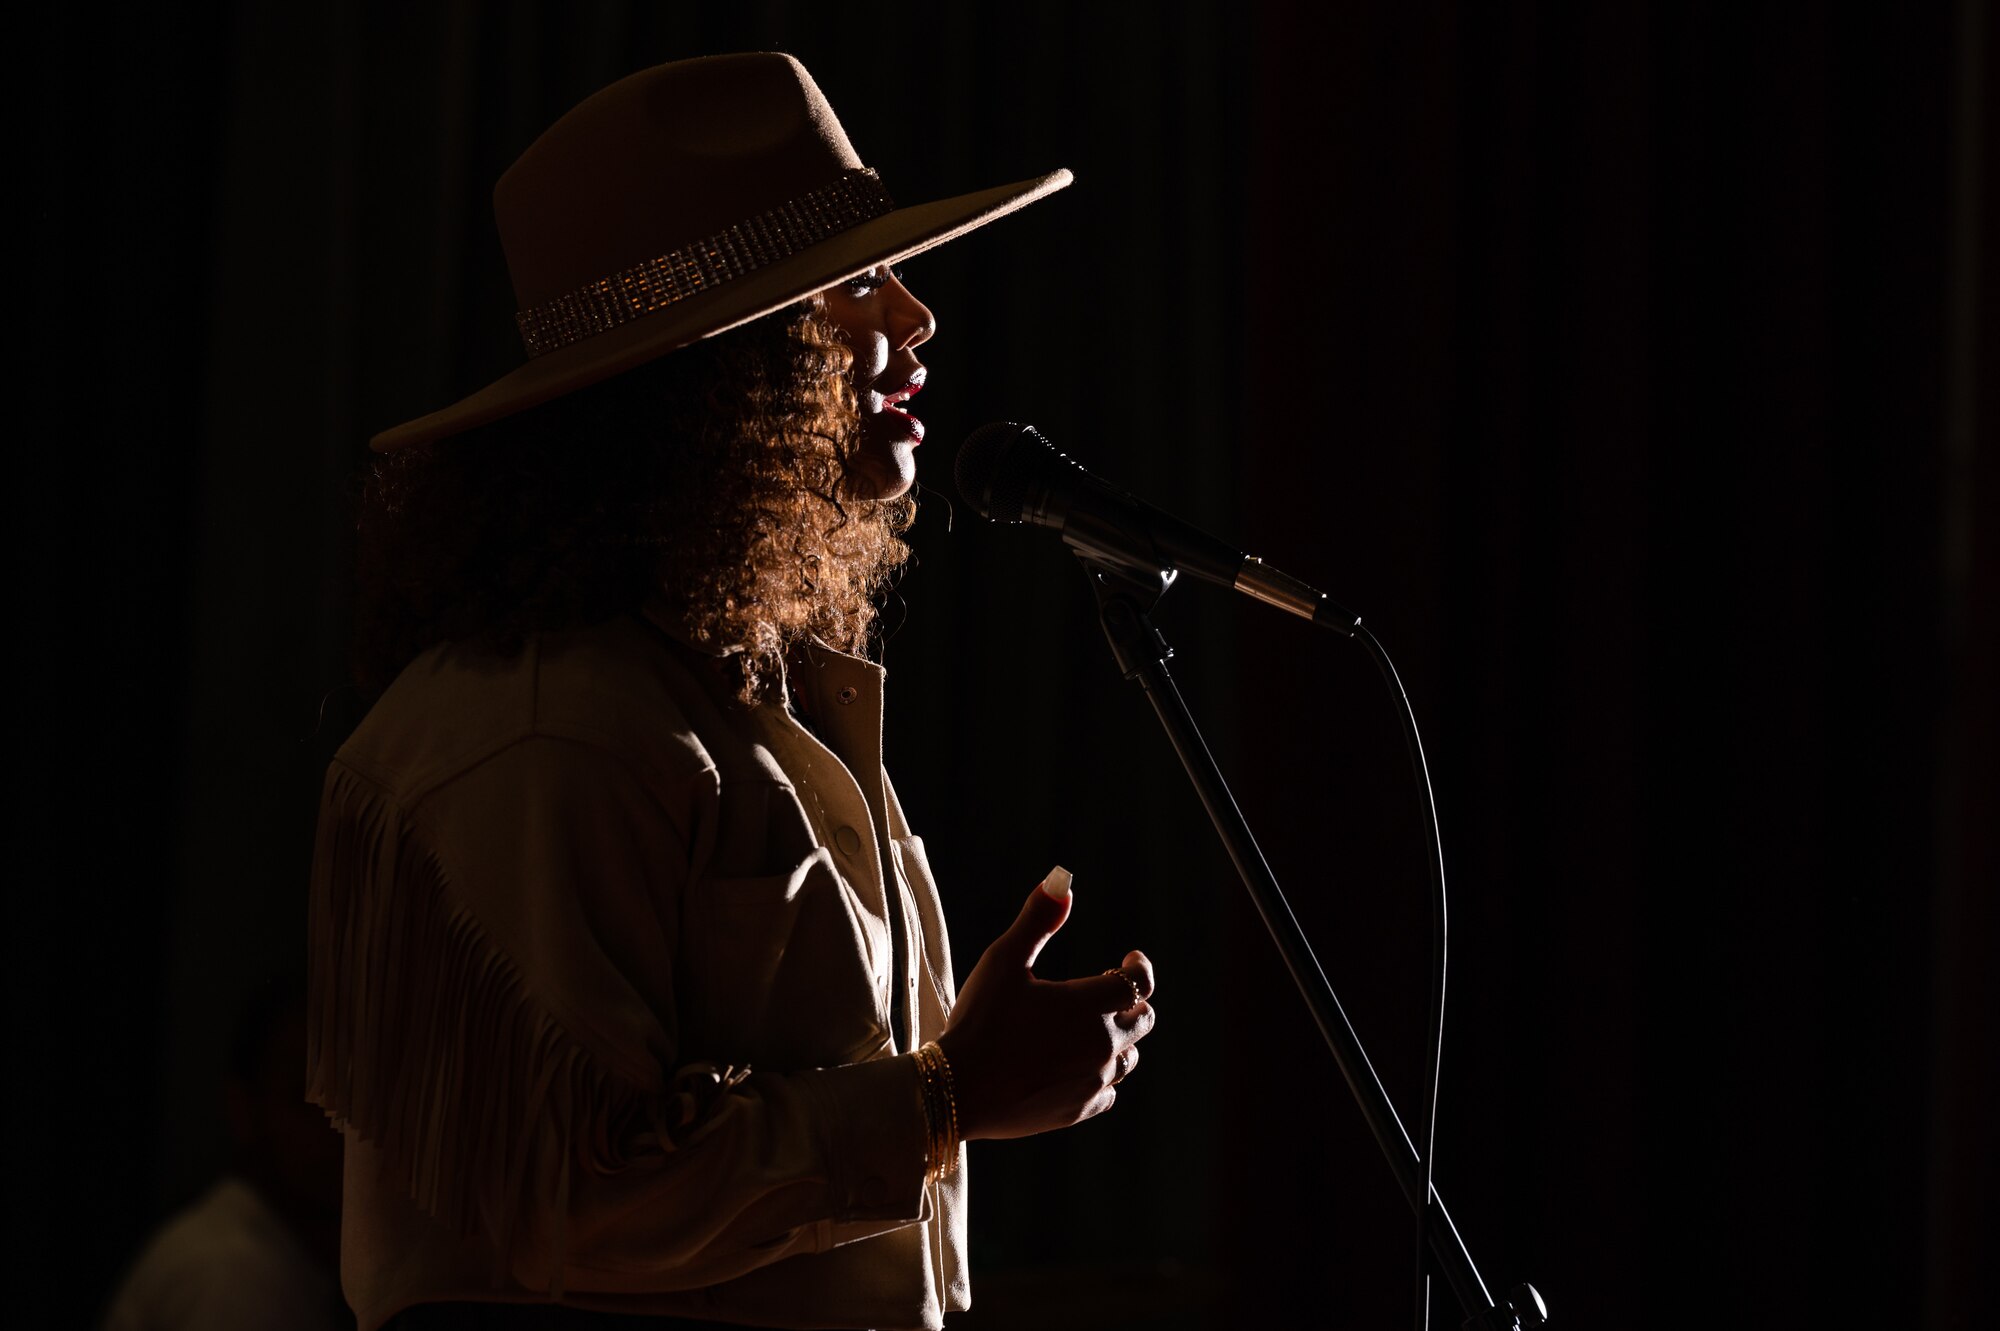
(1029, 1054)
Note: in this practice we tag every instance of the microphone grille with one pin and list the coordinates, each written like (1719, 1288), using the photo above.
(996, 468)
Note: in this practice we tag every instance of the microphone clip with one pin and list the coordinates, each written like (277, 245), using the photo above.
(1126, 597)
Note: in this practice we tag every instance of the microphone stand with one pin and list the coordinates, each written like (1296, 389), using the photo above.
(1125, 597)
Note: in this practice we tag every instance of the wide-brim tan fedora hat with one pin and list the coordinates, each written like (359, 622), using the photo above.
(677, 203)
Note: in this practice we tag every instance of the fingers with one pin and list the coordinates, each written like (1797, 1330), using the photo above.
(1140, 967)
(1121, 990)
(1102, 994)
(1136, 1021)
(1122, 1066)
(1116, 1071)
(1044, 913)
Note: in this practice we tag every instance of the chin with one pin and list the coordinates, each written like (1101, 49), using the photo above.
(878, 477)
(878, 488)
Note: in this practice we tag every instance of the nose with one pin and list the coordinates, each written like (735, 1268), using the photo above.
(911, 323)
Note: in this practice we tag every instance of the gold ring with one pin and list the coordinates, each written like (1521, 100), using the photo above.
(1137, 997)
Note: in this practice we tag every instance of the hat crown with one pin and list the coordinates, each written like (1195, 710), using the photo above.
(659, 160)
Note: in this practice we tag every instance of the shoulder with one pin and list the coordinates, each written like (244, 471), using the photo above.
(617, 694)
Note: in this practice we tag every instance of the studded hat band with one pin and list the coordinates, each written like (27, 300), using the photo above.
(756, 242)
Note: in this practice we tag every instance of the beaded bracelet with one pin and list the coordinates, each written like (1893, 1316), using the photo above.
(940, 1113)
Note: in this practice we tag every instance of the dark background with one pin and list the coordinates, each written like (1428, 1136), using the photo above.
(1628, 366)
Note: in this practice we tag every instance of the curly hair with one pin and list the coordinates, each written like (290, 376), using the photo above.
(711, 477)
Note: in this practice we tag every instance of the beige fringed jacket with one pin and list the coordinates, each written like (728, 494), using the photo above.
(601, 993)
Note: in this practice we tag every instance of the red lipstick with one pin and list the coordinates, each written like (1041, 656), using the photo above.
(893, 397)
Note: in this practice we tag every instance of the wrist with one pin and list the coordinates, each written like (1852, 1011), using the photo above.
(970, 1125)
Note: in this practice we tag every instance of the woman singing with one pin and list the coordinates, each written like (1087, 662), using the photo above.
(630, 988)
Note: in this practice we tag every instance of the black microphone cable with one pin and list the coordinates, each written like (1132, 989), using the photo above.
(1434, 1017)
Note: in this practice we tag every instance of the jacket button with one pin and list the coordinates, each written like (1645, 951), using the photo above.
(848, 840)
(848, 694)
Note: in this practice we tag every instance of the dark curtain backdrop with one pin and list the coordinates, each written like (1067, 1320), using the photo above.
(1625, 365)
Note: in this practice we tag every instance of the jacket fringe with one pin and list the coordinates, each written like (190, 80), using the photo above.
(423, 1040)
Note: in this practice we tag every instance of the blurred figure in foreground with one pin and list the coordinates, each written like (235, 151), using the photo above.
(260, 1248)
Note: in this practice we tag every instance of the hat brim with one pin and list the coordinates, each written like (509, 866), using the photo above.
(886, 239)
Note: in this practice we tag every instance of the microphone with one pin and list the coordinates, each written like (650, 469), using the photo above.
(1010, 473)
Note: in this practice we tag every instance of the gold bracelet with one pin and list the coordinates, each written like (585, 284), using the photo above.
(940, 1112)
(933, 1121)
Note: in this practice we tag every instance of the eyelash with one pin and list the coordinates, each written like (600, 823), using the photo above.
(868, 282)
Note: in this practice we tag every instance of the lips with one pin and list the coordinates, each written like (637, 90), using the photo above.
(895, 394)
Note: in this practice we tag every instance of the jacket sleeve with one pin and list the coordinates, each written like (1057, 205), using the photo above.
(493, 1007)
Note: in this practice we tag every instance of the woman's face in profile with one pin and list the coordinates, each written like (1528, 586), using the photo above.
(884, 325)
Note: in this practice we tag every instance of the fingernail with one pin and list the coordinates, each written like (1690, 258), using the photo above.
(1057, 884)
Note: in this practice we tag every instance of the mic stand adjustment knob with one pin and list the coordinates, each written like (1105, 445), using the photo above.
(1521, 1310)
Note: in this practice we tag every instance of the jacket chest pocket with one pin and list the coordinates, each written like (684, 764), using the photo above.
(786, 969)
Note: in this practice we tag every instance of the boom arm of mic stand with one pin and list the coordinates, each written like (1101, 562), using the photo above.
(1124, 599)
